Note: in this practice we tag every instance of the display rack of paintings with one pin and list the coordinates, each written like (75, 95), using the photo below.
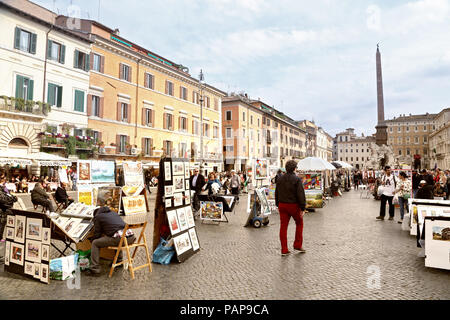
(27, 247)
(437, 242)
(421, 208)
(84, 171)
(261, 169)
(176, 212)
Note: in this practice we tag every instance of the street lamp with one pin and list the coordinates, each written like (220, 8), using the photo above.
(201, 83)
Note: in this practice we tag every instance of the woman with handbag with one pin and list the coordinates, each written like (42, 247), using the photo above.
(403, 192)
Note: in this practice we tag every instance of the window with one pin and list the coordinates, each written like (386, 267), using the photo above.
(77, 132)
(182, 150)
(97, 62)
(183, 93)
(215, 132)
(268, 122)
(195, 97)
(167, 146)
(96, 136)
(399, 140)
(357, 159)
(148, 117)
(95, 106)
(216, 104)
(56, 51)
(207, 102)
(416, 129)
(123, 141)
(54, 95)
(228, 133)
(206, 130)
(228, 115)
(425, 139)
(400, 152)
(228, 148)
(125, 72)
(79, 101)
(243, 133)
(24, 88)
(169, 88)
(183, 124)
(168, 121)
(25, 41)
(416, 139)
(195, 127)
(390, 129)
(424, 128)
(399, 129)
(81, 60)
(149, 81)
(408, 152)
(147, 146)
(407, 129)
(243, 116)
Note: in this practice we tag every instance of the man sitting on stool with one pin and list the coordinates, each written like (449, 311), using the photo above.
(61, 195)
(108, 229)
(40, 197)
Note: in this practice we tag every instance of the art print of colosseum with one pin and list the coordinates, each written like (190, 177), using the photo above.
(441, 233)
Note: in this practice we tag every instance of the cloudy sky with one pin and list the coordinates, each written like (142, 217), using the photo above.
(309, 59)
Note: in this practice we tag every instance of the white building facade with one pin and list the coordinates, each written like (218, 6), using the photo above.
(353, 149)
(440, 141)
(40, 62)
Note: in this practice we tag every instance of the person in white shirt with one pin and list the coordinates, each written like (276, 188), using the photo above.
(389, 184)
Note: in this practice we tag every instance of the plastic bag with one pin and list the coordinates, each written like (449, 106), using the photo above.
(84, 259)
(395, 199)
(380, 190)
(164, 253)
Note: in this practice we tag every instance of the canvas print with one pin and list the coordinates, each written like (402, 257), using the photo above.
(29, 268)
(16, 254)
(178, 199)
(173, 222)
(187, 197)
(45, 252)
(103, 171)
(265, 208)
(261, 169)
(44, 273)
(182, 243)
(85, 197)
(7, 252)
(186, 184)
(182, 219)
(168, 202)
(134, 205)
(78, 231)
(19, 235)
(314, 198)
(178, 184)
(11, 221)
(9, 233)
(168, 191)
(178, 168)
(33, 251)
(132, 190)
(194, 239)
(84, 171)
(37, 270)
(441, 233)
(34, 229)
(187, 172)
(189, 216)
(210, 210)
(111, 196)
(311, 181)
(46, 235)
(133, 173)
(167, 171)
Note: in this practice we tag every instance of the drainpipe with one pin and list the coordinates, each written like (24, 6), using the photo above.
(45, 63)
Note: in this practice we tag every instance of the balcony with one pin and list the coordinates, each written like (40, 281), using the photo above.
(13, 106)
(269, 140)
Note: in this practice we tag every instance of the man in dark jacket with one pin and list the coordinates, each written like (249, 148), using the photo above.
(6, 203)
(40, 197)
(108, 229)
(61, 195)
(291, 202)
(197, 182)
(425, 191)
(427, 177)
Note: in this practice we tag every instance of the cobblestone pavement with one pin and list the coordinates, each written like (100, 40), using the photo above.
(342, 241)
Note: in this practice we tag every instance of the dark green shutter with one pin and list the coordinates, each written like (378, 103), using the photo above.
(59, 102)
(30, 89)
(19, 86)
(33, 43)
(17, 38)
(87, 64)
(49, 49)
(51, 94)
(75, 59)
(63, 54)
(79, 101)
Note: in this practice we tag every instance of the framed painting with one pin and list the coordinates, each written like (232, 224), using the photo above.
(178, 168)
(45, 252)
(181, 214)
(16, 254)
(46, 235)
(29, 268)
(178, 199)
(178, 184)
(189, 216)
(10, 233)
(182, 243)
(167, 171)
(210, 210)
(173, 222)
(44, 273)
(168, 191)
(194, 239)
(84, 171)
(37, 270)
(7, 252)
(11, 221)
(33, 251)
(134, 205)
(19, 233)
(187, 171)
(168, 202)
(34, 229)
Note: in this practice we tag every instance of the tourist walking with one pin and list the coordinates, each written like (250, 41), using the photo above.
(235, 184)
(291, 202)
(388, 184)
(403, 193)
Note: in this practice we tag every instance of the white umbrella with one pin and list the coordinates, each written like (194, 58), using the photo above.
(344, 165)
(314, 164)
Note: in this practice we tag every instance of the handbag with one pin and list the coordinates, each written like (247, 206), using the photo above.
(406, 195)
(164, 253)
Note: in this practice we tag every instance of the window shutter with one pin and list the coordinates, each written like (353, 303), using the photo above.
(87, 62)
(30, 89)
(17, 38)
(146, 80)
(102, 64)
(102, 100)
(179, 123)
(120, 71)
(51, 94)
(143, 146)
(153, 119)
(49, 49)
(171, 122)
(193, 125)
(181, 92)
(165, 120)
(128, 142)
(129, 113)
(99, 136)
(19, 86)
(33, 43)
(60, 92)
(119, 111)
(167, 87)
(129, 74)
(63, 54)
(117, 143)
(89, 105)
(91, 61)
(75, 59)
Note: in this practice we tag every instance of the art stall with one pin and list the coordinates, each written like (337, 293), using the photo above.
(174, 219)
(258, 208)
(312, 170)
(430, 223)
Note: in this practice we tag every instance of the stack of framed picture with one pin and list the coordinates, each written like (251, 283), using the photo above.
(28, 245)
(175, 194)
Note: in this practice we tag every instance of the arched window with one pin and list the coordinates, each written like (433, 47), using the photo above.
(18, 143)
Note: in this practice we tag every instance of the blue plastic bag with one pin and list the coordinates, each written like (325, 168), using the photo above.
(163, 254)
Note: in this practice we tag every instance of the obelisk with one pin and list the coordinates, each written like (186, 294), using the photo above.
(381, 135)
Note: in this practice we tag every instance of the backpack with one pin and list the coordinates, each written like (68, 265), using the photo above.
(393, 177)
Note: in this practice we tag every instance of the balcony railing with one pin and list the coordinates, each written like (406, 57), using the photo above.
(14, 105)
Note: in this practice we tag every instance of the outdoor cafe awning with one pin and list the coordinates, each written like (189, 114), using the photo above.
(15, 157)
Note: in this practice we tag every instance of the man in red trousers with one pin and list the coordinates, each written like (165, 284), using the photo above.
(291, 202)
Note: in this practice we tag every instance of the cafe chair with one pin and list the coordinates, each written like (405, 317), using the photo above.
(123, 245)
(60, 206)
(36, 206)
